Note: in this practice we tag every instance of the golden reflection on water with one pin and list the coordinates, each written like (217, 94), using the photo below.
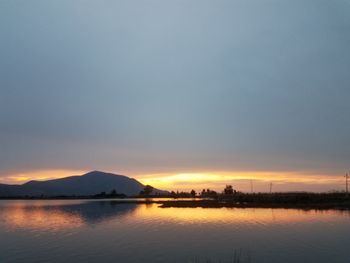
(47, 217)
(236, 215)
(60, 215)
(41, 218)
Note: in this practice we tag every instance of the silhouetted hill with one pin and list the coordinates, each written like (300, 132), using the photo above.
(88, 184)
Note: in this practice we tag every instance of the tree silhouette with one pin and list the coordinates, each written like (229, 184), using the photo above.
(193, 193)
(228, 190)
(148, 190)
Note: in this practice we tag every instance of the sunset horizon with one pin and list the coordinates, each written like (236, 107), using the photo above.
(174, 131)
(215, 180)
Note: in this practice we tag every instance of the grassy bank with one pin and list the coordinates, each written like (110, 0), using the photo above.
(270, 200)
(340, 201)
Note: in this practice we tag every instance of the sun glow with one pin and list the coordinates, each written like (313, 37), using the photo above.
(20, 178)
(244, 181)
(216, 180)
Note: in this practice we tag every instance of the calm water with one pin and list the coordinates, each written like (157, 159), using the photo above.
(100, 231)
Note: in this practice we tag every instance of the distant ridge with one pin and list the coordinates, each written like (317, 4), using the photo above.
(89, 184)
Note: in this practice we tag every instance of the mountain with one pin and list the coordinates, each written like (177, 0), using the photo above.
(91, 183)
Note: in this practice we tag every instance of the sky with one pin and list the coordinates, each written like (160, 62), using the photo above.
(177, 93)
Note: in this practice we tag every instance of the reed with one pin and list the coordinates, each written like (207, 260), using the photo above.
(238, 256)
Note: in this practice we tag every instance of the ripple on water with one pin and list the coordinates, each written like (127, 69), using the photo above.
(102, 231)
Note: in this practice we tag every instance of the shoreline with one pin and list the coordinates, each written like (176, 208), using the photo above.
(208, 203)
(220, 204)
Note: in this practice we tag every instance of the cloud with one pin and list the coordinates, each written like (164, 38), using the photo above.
(155, 86)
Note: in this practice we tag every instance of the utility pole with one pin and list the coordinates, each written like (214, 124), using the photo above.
(347, 182)
(270, 187)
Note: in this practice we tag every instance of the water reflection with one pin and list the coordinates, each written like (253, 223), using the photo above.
(60, 215)
(94, 212)
(239, 215)
(103, 231)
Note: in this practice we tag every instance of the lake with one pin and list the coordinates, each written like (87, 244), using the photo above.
(103, 231)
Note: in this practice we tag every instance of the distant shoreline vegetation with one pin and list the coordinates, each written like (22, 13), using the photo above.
(123, 189)
(339, 201)
(230, 199)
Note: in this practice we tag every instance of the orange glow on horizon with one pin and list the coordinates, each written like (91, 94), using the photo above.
(20, 178)
(241, 180)
(185, 181)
